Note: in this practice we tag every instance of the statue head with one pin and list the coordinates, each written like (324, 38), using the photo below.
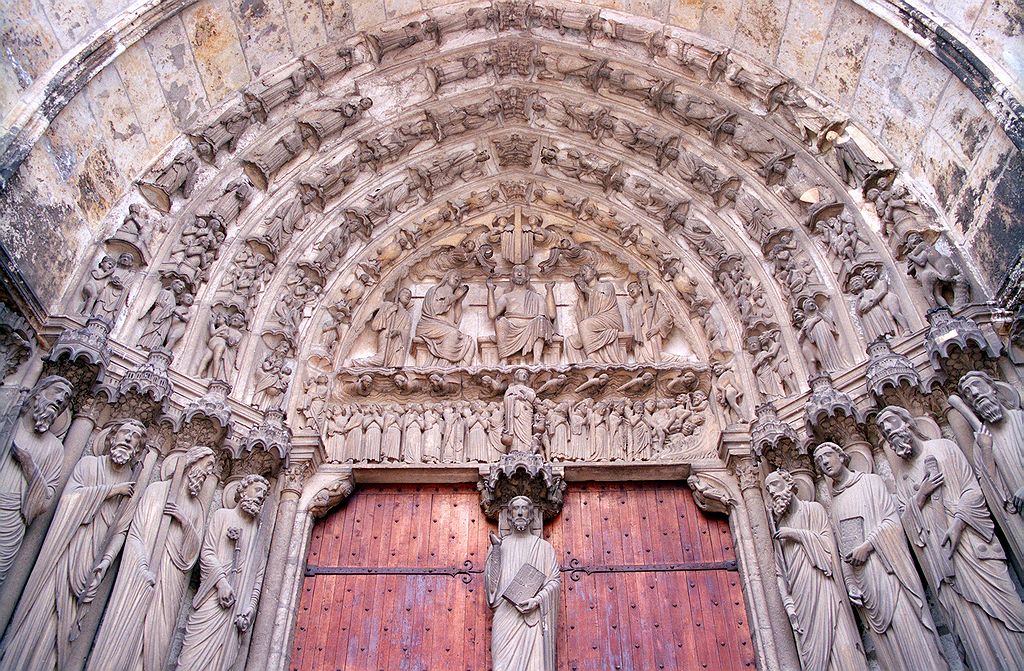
(126, 260)
(856, 284)
(978, 389)
(781, 488)
(634, 290)
(520, 275)
(50, 398)
(251, 493)
(520, 513)
(177, 286)
(753, 344)
(199, 464)
(831, 460)
(521, 376)
(125, 441)
(900, 430)
(107, 263)
(405, 297)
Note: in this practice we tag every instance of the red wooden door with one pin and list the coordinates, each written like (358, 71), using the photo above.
(388, 587)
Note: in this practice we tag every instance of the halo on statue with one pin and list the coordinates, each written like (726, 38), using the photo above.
(100, 440)
(170, 463)
(230, 489)
(61, 424)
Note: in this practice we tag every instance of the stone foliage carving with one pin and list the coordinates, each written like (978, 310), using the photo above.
(32, 462)
(948, 523)
(161, 548)
(517, 642)
(879, 572)
(85, 536)
(231, 574)
(811, 580)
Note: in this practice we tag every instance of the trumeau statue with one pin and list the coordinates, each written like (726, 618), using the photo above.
(524, 631)
(993, 410)
(598, 320)
(30, 470)
(393, 323)
(438, 326)
(946, 519)
(161, 549)
(523, 319)
(877, 566)
(812, 581)
(84, 538)
(231, 575)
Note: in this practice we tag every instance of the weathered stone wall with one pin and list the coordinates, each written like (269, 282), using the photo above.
(125, 117)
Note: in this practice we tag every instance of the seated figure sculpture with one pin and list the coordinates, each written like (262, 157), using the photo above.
(524, 320)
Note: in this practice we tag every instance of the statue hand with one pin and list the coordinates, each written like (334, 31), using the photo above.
(786, 533)
(856, 598)
(21, 455)
(1018, 501)
(794, 621)
(148, 576)
(490, 283)
(495, 540)
(932, 481)
(225, 595)
(860, 554)
(123, 489)
(528, 607)
(952, 537)
(984, 438)
(242, 621)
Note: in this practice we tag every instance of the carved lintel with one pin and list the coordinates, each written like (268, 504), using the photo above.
(711, 492)
(85, 346)
(522, 474)
(957, 345)
(336, 490)
(772, 439)
(830, 414)
(888, 371)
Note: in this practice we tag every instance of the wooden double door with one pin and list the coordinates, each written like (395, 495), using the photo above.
(394, 583)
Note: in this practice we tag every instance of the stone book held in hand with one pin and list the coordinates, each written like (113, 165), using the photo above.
(525, 585)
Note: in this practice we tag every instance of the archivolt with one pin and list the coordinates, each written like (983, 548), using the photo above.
(650, 136)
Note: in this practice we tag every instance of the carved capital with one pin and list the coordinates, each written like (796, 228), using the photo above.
(957, 345)
(748, 474)
(265, 447)
(294, 476)
(522, 474)
(830, 414)
(85, 346)
(888, 371)
(772, 439)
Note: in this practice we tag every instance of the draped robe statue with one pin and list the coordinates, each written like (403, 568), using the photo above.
(598, 320)
(821, 615)
(82, 541)
(161, 549)
(947, 520)
(30, 469)
(439, 323)
(877, 567)
(519, 399)
(231, 575)
(523, 318)
(393, 322)
(994, 412)
(522, 635)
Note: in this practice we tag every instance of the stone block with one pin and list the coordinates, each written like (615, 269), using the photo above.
(71, 20)
(337, 17)
(938, 163)
(263, 28)
(963, 121)
(305, 24)
(999, 31)
(368, 14)
(720, 20)
(844, 52)
(760, 29)
(804, 38)
(686, 13)
(998, 237)
(176, 70)
(118, 123)
(399, 8)
(141, 83)
(216, 48)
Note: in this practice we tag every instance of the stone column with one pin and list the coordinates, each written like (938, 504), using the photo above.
(75, 441)
(292, 479)
(748, 475)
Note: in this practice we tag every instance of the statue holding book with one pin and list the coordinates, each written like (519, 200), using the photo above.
(523, 580)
